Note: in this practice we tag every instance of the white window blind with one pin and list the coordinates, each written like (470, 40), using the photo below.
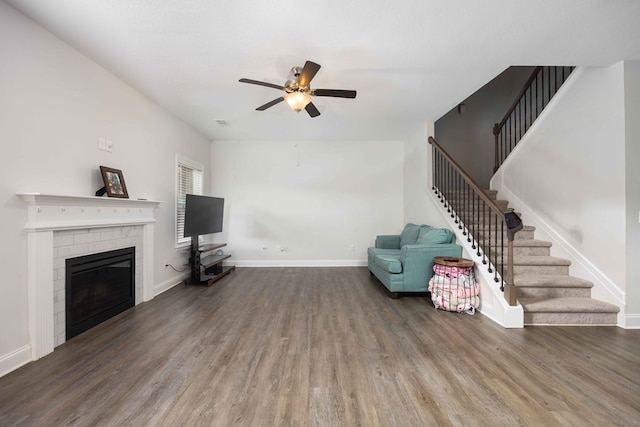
(189, 181)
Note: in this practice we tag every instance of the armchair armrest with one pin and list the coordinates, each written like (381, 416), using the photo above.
(417, 260)
(389, 241)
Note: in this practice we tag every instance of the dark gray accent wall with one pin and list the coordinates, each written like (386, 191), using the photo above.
(467, 135)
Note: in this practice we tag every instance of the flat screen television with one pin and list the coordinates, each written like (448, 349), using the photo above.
(202, 215)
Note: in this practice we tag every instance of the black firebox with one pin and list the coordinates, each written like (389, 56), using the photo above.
(98, 287)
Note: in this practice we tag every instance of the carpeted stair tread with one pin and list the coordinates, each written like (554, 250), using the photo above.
(524, 227)
(526, 243)
(540, 260)
(547, 292)
(489, 193)
(531, 243)
(567, 305)
(467, 213)
(484, 234)
(486, 228)
(550, 281)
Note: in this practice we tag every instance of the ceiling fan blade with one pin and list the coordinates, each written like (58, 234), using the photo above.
(337, 93)
(308, 72)
(256, 82)
(312, 110)
(270, 104)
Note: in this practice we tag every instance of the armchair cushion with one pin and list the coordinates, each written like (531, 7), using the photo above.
(409, 234)
(389, 263)
(382, 251)
(390, 241)
(434, 236)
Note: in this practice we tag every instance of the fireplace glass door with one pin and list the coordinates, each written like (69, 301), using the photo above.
(98, 287)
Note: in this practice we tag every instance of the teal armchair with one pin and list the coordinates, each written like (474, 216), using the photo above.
(404, 262)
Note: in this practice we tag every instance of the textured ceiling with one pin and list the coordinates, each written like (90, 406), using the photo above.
(410, 61)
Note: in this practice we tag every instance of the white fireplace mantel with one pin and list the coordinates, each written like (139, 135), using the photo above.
(47, 213)
(58, 212)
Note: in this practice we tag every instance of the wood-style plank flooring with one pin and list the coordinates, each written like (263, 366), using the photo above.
(323, 347)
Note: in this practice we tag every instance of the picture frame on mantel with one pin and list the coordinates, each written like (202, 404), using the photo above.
(114, 185)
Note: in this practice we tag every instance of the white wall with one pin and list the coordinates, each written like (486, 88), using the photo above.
(632, 171)
(316, 199)
(570, 170)
(54, 105)
(418, 204)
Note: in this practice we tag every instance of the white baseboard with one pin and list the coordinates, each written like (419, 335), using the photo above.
(12, 361)
(632, 321)
(168, 284)
(301, 263)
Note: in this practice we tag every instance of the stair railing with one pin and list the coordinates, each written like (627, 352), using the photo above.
(477, 215)
(536, 93)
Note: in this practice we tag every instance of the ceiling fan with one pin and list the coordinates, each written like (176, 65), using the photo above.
(298, 91)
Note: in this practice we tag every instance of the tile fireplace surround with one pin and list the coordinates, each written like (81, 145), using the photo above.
(60, 227)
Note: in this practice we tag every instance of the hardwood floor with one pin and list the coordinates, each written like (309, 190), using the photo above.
(323, 347)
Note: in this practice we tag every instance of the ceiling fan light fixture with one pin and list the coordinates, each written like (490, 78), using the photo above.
(297, 100)
(298, 92)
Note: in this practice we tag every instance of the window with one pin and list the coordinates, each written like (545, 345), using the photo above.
(188, 181)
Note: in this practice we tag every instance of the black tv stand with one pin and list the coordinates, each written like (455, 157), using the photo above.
(207, 269)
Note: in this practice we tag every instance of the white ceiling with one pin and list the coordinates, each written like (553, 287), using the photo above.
(410, 61)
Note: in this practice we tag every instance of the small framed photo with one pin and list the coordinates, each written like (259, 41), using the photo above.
(114, 184)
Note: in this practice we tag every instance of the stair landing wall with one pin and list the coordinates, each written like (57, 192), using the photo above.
(565, 189)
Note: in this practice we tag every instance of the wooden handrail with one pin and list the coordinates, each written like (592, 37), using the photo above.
(498, 262)
(489, 202)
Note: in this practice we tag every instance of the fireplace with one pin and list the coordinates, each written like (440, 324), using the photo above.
(98, 287)
(62, 226)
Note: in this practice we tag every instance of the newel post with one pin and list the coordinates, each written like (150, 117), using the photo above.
(509, 287)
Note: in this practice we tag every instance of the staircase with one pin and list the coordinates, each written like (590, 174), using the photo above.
(549, 295)
(540, 282)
